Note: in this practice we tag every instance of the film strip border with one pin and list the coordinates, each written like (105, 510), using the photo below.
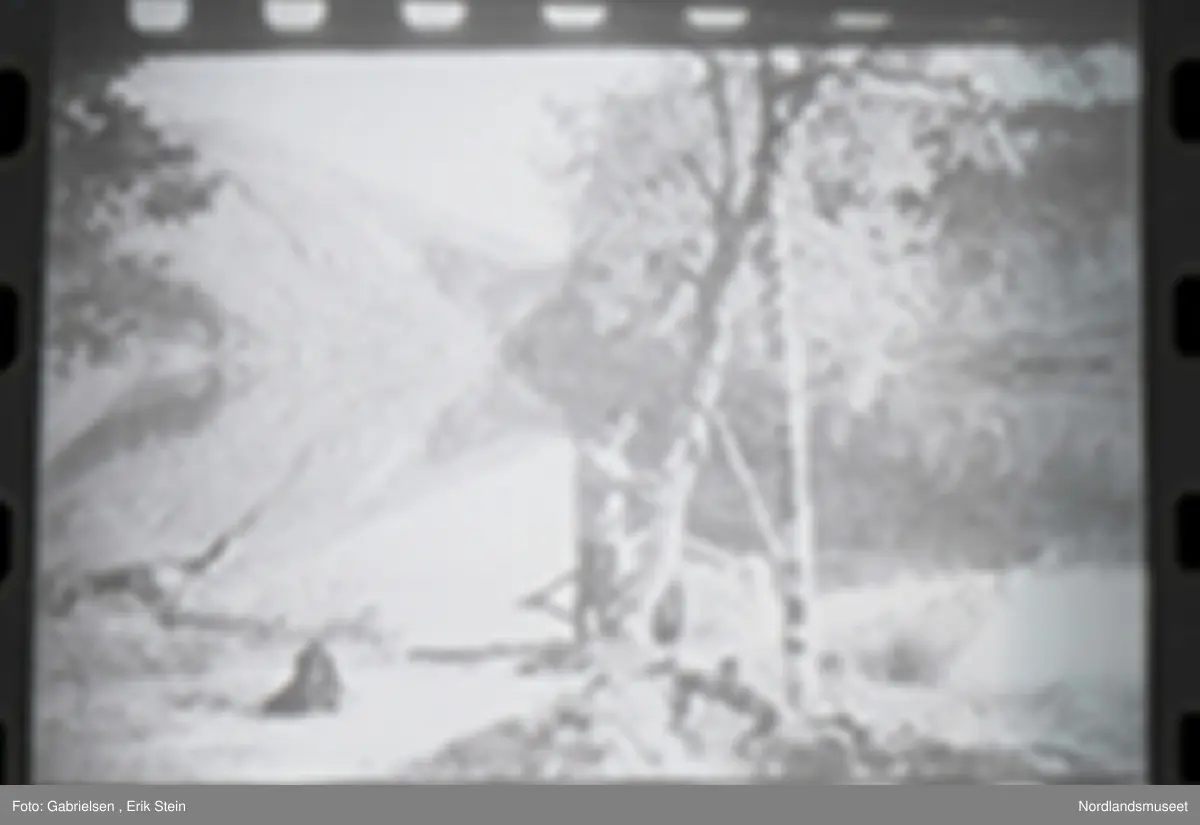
(286, 24)
(25, 32)
(1172, 180)
(1171, 168)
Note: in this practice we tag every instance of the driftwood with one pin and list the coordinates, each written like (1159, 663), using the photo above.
(724, 686)
(157, 584)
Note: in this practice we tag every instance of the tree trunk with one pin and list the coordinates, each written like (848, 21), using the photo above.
(795, 571)
(798, 570)
(687, 455)
(787, 347)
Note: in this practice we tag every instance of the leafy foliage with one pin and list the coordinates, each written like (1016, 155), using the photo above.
(112, 169)
(967, 284)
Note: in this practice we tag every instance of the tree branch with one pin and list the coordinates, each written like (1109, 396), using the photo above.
(716, 86)
(764, 159)
(745, 476)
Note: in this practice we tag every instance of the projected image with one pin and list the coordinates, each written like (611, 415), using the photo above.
(593, 416)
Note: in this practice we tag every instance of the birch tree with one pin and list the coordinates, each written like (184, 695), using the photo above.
(705, 194)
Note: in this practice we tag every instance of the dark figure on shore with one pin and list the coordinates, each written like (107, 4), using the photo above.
(314, 687)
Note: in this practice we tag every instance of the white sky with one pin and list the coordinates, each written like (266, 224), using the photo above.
(452, 133)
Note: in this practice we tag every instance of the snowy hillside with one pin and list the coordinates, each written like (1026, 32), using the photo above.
(322, 368)
(344, 352)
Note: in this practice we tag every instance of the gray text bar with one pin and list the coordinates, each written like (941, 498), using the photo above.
(598, 805)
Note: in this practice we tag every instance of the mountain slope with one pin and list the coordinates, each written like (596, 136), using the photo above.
(347, 351)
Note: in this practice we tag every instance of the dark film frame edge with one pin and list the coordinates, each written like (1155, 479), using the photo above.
(1168, 33)
(1171, 192)
(25, 40)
